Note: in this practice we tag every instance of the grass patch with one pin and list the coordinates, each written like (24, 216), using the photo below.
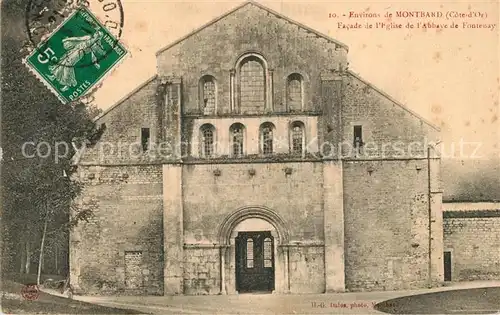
(13, 303)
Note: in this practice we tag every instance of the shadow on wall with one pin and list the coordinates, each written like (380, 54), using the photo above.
(471, 180)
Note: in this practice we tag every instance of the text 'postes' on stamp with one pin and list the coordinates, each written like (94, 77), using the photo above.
(76, 56)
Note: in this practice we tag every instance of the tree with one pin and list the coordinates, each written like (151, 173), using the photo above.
(37, 189)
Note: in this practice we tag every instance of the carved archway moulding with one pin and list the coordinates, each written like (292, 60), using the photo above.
(248, 212)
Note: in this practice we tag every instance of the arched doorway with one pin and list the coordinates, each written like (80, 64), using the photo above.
(255, 258)
(254, 254)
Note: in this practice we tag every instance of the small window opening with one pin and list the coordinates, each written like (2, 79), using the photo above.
(237, 135)
(447, 266)
(145, 138)
(207, 134)
(249, 253)
(267, 138)
(268, 254)
(358, 139)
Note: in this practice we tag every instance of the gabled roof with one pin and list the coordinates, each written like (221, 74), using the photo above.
(258, 5)
(390, 98)
(128, 95)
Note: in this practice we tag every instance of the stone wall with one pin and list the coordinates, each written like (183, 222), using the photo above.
(251, 141)
(472, 235)
(297, 198)
(386, 224)
(127, 203)
(201, 270)
(361, 223)
(209, 198)
(389, 130)
(307, 269)
(121, 139)
(215, 50)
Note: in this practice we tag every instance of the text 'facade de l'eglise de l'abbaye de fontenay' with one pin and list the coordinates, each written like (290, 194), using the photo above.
(243, 166)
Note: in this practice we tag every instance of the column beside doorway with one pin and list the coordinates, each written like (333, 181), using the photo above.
(334, 227)
(227, 236)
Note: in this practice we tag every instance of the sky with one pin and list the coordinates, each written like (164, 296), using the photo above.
(448, 76)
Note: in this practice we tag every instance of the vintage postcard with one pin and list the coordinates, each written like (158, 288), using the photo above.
(250, 157)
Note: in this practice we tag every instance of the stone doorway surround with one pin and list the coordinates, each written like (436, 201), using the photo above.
(253, 218)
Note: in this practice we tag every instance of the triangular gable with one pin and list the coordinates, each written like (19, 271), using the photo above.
(260, 6)
(390, 98)
(128, 95)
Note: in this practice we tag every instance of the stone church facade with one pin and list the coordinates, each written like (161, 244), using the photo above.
(255, 160)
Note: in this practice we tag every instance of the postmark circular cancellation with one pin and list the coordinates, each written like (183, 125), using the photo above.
(75, 44)
(30, 292)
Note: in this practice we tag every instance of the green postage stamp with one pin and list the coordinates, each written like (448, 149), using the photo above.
(76, 56)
